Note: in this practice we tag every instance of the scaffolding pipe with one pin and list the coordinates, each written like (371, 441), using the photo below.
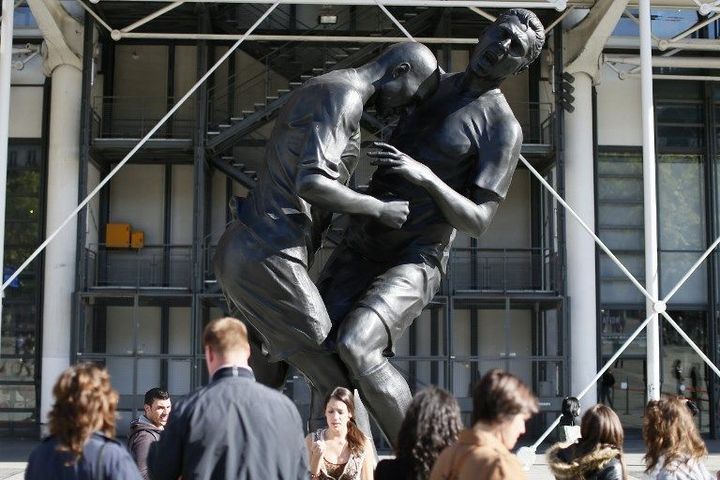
(556, 4)
(694, 78)
(6, 34)
(700, 44)
(672, 62)
(394, 20)
(650, 204)
(117, 35)
(694, 28)
(137, 147)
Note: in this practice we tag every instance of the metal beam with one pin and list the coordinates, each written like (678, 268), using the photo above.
(549, 4)
(6, 35)
(665, 44)
(292, 38)
(671, 62)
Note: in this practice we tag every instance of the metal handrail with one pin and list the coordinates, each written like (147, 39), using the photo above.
(138, 114)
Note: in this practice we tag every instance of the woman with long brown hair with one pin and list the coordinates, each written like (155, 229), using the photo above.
(81, 444)
(341, 451)
(599, 453)
(674, 447)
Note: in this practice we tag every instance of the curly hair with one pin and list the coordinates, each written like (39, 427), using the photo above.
(531, 21)
(669, 431)
(355, 438)
(431, 423)
(85, 402)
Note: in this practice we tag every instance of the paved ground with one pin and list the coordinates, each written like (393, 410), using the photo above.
(14, 453)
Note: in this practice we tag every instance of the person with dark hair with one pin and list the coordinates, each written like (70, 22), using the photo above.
(81, 444)
(340, 451)
(674, 447)
(232, 428)
(452, 159)
(147, 428)
(599, 453)
(502, 404)
(570, 410)
(431, 424)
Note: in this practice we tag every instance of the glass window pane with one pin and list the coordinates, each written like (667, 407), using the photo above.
(681, 202)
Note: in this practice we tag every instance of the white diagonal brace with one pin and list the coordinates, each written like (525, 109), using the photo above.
(394, 20)
(599, 242)
(692, 344)
(95, 16)
(137, 147)
(151, 17)
(483, 13)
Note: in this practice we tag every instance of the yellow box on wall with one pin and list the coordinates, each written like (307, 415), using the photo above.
(117, 235)
(137, 239)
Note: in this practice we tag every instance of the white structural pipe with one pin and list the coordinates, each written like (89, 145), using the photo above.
(579, 192)
(672, 62)
(556, 4)
(650, 204)
(62, 196)
(6, 32)
(701, 44)
(118, 35)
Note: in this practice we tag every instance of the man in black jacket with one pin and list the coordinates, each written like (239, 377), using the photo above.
(146, 430)
(233, 428)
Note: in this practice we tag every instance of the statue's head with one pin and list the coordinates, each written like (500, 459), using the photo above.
(508, 46)
(411, 75)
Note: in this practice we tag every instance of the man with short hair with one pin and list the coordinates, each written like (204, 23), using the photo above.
(232, 428)
(452, 159)
(146, 430)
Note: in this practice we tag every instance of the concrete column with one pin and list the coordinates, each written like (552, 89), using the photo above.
(580, 195)
(62, 194)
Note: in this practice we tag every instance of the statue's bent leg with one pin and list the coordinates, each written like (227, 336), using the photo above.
(361, 341)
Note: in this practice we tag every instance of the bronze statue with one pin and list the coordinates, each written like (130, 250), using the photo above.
(262, 259)
(452, 159)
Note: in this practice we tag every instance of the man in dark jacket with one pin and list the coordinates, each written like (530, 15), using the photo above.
(233, 428)
(145, 430)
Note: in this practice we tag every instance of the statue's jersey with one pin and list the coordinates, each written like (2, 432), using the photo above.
(458, 137)
(317, 132)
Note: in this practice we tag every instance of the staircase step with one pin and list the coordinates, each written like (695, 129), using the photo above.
(227, 158)
(283, 91)
(236, 119)
(318, 71)
(259, 106)
(223, 126)
(294, 84)
(271, 98)
(330, 64)
(341, 56)
(305, 78)
(239, 166)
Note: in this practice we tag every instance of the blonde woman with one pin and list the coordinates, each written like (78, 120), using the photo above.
(674, 448)
(341, 451)
(81, 444)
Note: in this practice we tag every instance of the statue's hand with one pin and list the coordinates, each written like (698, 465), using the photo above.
(400, 163)
(394, 213)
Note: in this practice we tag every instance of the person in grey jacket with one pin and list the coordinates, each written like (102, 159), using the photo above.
(675, 450)
(233, 428)
(81, 444)
(146, 429)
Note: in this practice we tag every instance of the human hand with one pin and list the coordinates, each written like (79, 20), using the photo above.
(394, 213)
(400, 163)
(317, 450)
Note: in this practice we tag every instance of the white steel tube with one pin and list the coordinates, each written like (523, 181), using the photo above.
(6, 32)
(295, 38)
(676, 62)
(394, 20)
(134, 150)
(650, 202)
(400, 3)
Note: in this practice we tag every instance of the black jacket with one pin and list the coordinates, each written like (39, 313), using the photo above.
(602, 463)
(46, 462)
(233, 428)
(142, 435)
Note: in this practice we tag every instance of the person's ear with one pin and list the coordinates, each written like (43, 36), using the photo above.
(401, 69)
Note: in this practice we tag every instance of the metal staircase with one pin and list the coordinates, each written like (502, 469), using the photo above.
(223, 135)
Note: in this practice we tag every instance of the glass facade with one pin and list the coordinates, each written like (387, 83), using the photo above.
(20, 333)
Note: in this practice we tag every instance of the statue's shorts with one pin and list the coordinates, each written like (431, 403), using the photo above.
(397, 291)
(274, 293)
